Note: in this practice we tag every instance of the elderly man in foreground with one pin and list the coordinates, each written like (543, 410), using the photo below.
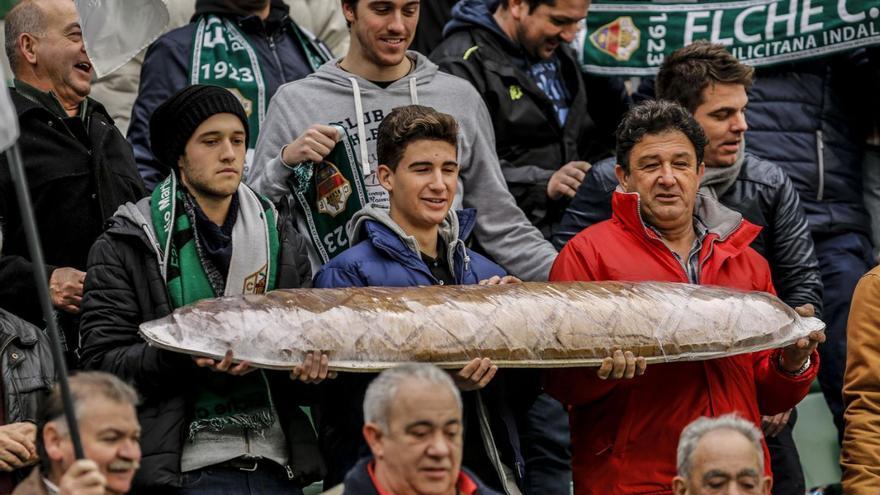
(413, 425)
(721, 455)
(110, 432)
(624, 420)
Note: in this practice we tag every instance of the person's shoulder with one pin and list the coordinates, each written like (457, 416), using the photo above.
(484, 267)
(455, 86)
(761, 171)
(360, 252)
(175, 39)
(458, 46)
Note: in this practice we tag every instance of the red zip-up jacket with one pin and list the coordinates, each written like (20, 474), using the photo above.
(625, 432)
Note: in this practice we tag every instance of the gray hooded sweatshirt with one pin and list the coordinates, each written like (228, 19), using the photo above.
(332, 95)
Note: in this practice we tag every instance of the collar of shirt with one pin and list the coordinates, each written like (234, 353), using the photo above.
(691, 265)
(48, 100)
(465, 485)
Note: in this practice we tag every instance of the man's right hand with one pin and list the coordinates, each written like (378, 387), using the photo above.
(567, 180)
(224, 365)
(83, 478)
(17, 446)
(66, 289)
(622, 365)
(313, 145)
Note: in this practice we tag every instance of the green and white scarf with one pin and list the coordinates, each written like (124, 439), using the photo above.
(328, 194)
(223, 56)
(252, 270)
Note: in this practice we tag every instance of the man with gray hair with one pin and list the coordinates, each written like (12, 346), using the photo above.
(721, 455)
(79, 167)
(110, 433)
(413, 425)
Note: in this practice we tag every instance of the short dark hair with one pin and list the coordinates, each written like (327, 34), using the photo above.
(25, 17)
(533, 4)
(412, 123)
(656, 117)
(689, 70)
(84, 385)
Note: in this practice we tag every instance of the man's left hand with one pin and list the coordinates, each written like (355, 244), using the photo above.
(475, 375)
(795, 355)
(567, 180)
(773, 425)
(315, 368)
(496, 280)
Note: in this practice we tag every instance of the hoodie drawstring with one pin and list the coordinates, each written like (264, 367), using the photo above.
(362, 128)
(413, 92)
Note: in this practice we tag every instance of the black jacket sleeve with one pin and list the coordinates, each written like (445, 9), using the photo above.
(591, 204)
(795, 266)
(111, 314)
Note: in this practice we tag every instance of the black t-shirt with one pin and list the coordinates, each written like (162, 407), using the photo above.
(439, 266)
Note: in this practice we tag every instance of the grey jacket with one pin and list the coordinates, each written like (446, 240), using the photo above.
(27, 367)
(328, 96)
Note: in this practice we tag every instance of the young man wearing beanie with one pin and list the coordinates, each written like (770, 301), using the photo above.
(201, 234)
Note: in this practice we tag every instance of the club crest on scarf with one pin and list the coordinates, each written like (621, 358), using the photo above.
(620, 38)
(256, 282)
(333, 189)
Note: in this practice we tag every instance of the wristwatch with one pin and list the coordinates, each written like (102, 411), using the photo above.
(803, 369)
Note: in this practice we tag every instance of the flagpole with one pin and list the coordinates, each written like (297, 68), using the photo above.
(29, 224)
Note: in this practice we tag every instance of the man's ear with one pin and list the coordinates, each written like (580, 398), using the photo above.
(385, 176)
(373, 435)
(27, 48)
(701, 169)
(621, 176)
(679, 486)
(348, 12)
(52, 440)
(518, 8)
(766, 485)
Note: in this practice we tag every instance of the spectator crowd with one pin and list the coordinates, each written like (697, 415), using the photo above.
(276, 144)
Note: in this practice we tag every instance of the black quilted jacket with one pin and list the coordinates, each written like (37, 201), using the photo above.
(124, 288)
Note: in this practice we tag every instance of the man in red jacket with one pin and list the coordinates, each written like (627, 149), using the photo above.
(625, 421)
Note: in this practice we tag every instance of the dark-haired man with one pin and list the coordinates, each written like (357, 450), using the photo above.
(357, 91)
(210, 425)
(420, 241)
(516, 54)
(662, 230)
(712, 84)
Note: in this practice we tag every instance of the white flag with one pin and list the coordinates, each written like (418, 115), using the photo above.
(114, 31)
(8, 117)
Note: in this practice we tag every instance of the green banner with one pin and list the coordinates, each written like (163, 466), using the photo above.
(6, 6)
(632, 38)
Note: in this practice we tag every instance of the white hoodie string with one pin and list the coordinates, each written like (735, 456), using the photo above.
(362, 128)
(413, 92)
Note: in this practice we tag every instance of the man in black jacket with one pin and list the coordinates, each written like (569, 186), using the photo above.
(249, 46)
(516, 54)
(201, 234)
(712, 84)
(28, 373)
(79, 167)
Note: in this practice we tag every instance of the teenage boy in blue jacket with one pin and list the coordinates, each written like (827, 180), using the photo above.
(420, 241)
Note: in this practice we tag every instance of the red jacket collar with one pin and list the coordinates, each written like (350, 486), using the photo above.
(732, 233)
